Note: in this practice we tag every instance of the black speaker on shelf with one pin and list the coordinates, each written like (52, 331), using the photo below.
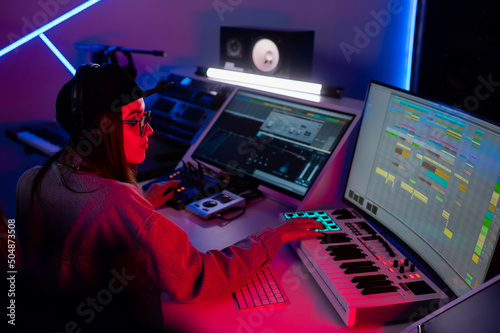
(281, 53)
(457, 59)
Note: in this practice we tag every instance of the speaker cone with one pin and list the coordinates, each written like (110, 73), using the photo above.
(234, 48)
(265, 55)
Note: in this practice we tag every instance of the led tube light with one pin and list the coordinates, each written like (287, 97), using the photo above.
(265, 81)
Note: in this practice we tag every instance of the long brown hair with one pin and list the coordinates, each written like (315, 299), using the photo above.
(104, 154)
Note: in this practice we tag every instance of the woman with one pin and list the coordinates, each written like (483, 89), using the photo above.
(87, 228)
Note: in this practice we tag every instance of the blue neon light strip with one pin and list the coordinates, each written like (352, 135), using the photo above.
(411, 38)
(48, 26)
(58, 54)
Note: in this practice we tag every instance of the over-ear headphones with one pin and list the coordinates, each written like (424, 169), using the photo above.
(77, 95)
(109, 56)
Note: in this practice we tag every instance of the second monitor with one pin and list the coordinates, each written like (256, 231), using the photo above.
(279, 142)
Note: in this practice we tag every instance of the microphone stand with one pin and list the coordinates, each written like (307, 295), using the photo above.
(105, 54)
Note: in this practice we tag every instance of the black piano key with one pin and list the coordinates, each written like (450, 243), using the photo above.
(349, 256)
(356, 270)
(346, 216)
(356, 264)
(340, 211)
(378, 290)
(373, 284)
(375, 277)
(334, 238)
(345, 251)
(341, 248)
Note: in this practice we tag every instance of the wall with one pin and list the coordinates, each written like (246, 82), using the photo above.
(354, 41)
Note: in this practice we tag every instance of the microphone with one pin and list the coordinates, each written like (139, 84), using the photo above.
(101, 48)
(152, 52)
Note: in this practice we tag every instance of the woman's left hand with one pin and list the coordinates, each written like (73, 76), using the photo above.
(158, 193)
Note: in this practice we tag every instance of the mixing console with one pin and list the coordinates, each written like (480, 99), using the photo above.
(194, 185)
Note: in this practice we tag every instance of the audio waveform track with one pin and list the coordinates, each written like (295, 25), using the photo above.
(434, 163)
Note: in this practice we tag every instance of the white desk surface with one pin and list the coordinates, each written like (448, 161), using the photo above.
(307, 308)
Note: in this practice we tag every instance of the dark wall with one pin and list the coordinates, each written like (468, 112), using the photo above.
(355, 40)
(460, 52)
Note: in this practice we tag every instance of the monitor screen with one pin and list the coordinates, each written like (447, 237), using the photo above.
(472, 312)
(278, 142)
(430, 173)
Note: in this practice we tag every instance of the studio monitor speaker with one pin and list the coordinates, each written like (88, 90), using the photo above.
(281, 53)
(459, 53)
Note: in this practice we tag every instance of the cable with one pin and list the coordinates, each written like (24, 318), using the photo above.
(222, 217)
(250, 194)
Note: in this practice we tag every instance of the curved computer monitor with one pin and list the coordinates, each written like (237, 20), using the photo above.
(430, 174)
(274, 140)
(471, 312)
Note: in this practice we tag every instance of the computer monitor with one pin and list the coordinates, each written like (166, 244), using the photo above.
(429, 173)
(471, 312)
(274, 140)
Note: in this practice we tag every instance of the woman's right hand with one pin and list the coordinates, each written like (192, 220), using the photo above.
(298, 228)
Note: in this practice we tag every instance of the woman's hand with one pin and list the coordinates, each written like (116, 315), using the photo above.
(158, 193)
(298, 228)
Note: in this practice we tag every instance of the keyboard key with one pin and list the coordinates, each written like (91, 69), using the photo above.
(357, 270)
(320, 216)
(369, 278)
(356, 264)
(372, 284)
(261, 290)
(378, 290)
(334, 238)
(349, 256)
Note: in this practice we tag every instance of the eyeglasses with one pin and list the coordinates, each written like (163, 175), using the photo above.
(143, 122)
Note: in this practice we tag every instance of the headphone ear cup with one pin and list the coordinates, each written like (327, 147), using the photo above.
(77, 110)
(77, 96)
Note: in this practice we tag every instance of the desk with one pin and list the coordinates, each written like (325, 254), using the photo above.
(307, 310)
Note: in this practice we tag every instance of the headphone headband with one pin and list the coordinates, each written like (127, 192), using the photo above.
(77, 94)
